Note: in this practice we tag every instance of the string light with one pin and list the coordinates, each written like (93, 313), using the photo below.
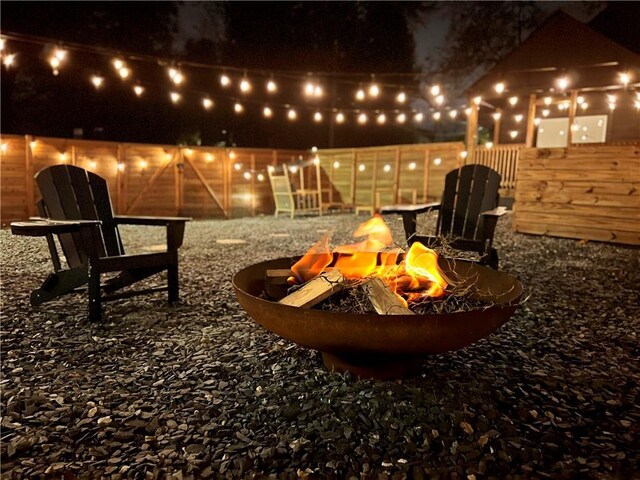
(401, 118)
(563, 83)
(436, 116)
(499, 87)
(362, 167)
(537, 121)
(547, 100)
(477, 100)
(381, 119)
(138, 90)
(374, 90)
(439, 99)
(453, 114)
(238, 108)
(584, 105)
(247, 175)
(176, 76)
(175, 97)
(336, 165)
(208, 158)
(56, 59)
(124, 73)
(435, 90)
(489, 144)
(418, 117)
(3, 147)
(245, 85)
(513, 133)
(225, 81)
(207, 103)
(340, 117)
(467, 111)
(120, 167)
(237, 167)
(267, 112)
(387, 168)
(496, 116)
(271, 86)
(260, 177)
(360, 95)
(117, 63)
(362, 118)
(624, 78)
(518, 118)
(401, 97)
(2, 43)
(545, 112)
(143, 164)
(9, 60)
(513, 101)
(292, 114)
(97, 81)
(412, 166)
(437, 161)
(464, 154)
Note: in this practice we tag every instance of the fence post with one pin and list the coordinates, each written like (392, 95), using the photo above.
(28, 168)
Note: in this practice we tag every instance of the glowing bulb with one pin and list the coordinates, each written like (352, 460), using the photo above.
(513, 101)
(575, 127)
(612, 106)
(2, 42)
(477, 100)
(245, 86)
(513, 133)
(124, 72)
(418, 117)
(54, 62)
(547, 100)
(545, 112)
(453, 114)
(293, 169)
(178, 78)
(488, 144)
(121, 167)
(225, 81)
(308, 88)
(188, 152)
(374, 90)
(291, 114)
(437, 161)
(271, 86)
(401, 98)
(439, 99)
(624, 78)
(97, 81)
(175, 97)
(260, 177)
(316, 160)
(563, 83)
(496, 116)
(238, 108)
(340, 117)
(3, 147)
(270, 168)
(32, 145)
(435, 90)
(232, 155)
(499, 87)
(117, 63)
(317, 91)
(412, 166)
(362, 167)
(537, 121)
(464, 154)
(518, 118)
(9, 60)
(336, 164)
(401, 118)
(584, 105)
(381, 119)
(580, 100)
(267, 112)
(317, 117)
(386, 168)
(93, 164)
(207, 103)
(138, 90)
(467, 111)
(362, 118)
(237, 166)
(209, 158)
(247, 175)
(360, 95)
(611, 98)
(437, 116)
(143, 164)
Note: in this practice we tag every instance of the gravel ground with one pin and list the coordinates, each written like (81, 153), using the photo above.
(201, 391)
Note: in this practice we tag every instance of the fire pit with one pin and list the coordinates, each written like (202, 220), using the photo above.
(378, 345)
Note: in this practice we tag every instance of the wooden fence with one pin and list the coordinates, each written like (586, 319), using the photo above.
(590, 193)
(504, 160)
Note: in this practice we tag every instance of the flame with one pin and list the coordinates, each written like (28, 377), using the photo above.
(414, 279)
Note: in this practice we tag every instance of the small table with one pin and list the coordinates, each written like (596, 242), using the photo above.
(409, 214)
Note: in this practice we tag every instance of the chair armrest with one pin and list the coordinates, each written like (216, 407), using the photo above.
(151, 221)
(40, 227)
(413, 208)
(489, 221)
(496, 212)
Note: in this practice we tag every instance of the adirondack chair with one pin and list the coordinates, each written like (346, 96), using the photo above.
(468, 213)
(76, 207)
(292, 200)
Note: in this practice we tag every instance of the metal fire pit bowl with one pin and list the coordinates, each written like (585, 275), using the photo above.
(382, 346)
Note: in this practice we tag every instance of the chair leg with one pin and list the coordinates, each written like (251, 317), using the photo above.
(95, 306)
(172, 280)
(492, 258)
(409, 220)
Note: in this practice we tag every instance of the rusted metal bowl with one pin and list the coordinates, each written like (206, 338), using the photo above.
(382, 346)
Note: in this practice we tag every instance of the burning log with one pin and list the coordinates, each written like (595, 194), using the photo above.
(383, 299)
(275, 282)
(316, 290)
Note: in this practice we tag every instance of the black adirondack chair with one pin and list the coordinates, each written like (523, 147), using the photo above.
(468, 213)
(76, 207)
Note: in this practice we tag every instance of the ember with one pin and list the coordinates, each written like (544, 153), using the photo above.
(417, 277)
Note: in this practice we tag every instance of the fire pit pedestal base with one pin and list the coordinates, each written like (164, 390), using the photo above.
(373, 366)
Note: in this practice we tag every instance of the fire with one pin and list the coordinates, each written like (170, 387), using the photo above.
(415, 278)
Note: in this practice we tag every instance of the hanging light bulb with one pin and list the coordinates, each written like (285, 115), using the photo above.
(9, 60)
(232, 155)
(225, 81)
(260, 177)
(537, 121)
(340, 117)
(97, 81)
(563, 83)
(247, 175)
(496, 116)
(464, 154)
(437, 116)
(176, 76)
(308, 88)
(439, 99)
(360, 95)
(467, 111)
(489, 144)
(118, 64)
(580, 100)
(317, 117)
(453, 114)
(267, 112)
(412, 166)
(236, 166)
(362, 167)
(545, 112)
(120, 167)
(292, 114)
(317, 91)
(381, 119)
(584, 105)
(513, 133)
(207, 103)
(435, 90)
(245, 85)
(401, 118)
(418, 117)
(124, 73)
(437, 161)
(374, 90)
(362, 118)
(401, 97)
(499, 87)
(387, 168)
(513, 101)
(238, 108)
(547, 100)
(518, 118)
(138, 90)
(209, 158)
(55, 63)
(477, 100)
(175, 97)
(336, 164)
(624, 78)
(271, 86)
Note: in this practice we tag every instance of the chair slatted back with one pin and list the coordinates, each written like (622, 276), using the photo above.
(468, 191)
(67, 194)
(281, 188)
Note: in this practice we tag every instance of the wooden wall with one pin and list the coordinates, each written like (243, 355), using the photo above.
(201, 182)
(590, 193)
(377, 176)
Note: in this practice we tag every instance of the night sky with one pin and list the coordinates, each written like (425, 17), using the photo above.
(347, 41)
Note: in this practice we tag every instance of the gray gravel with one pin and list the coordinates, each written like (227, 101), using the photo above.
(201, 391)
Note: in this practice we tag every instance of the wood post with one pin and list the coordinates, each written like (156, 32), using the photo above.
(472, 129)
(354, 166)
(425, 178)
(28, 169)
(531, 117)
(253, 185)
(572, 116)
(179, 180)
(496, 128)
(118, 178)
(374, 175)
(396, 177)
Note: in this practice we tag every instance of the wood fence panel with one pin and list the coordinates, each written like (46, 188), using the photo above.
(588, 193)
(13, 178)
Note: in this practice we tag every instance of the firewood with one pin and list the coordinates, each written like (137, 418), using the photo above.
(316, 290)
(275, 282)
(383, 299)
